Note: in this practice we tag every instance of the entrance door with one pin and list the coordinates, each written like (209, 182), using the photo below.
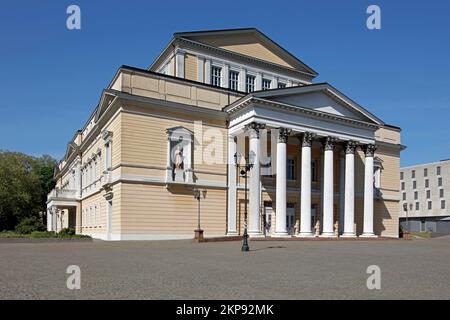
(268, 220)
(290, 219)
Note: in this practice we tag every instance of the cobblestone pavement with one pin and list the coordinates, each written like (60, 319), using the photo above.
(188, 270)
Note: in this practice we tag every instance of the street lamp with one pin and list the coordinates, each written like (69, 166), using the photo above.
(243, 170)
(197, 195)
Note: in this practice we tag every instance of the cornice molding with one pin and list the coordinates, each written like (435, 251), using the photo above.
(298, 109)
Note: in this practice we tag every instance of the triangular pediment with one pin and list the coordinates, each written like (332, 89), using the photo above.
(321, 98)
(249, 42)
(71, 148)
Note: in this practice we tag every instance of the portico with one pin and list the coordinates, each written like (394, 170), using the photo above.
(262, 115)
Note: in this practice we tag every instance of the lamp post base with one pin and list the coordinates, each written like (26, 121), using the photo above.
(245, 247)
(199, 235)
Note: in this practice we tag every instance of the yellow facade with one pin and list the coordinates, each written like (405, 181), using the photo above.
(122, 153)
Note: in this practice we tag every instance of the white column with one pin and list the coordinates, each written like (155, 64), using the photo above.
(328, 192)
(242, 79)
(368, 191)
(305, 195)
(258, 81)
(208, 71)
(49, 219)
(349, 206)
(225, 74)
(280, 222)
(274, 83)
(255, 182)
(54, 218)
(200, 69)
(232, 227)
(179, 64)
(341, 192)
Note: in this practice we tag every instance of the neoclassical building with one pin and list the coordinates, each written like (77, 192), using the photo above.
(322, 165)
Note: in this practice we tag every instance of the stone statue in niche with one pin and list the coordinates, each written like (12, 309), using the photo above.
(179, 158)
(179, 174)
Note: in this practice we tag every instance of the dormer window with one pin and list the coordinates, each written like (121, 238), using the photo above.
(250, 83)
(233, 79)
(216, 73)
(266, 84)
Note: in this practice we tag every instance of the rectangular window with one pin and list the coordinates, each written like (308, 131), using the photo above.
(430, 206)
(414, 184)
(216, 73)
(266, 84)
(403, 186)
(442, 204)
(413, 174)
(401, 175)
(416, 195)
(250, 83)
(281, 85)
(425, 172)
(233, 79)
(290, 173)
(441, 193)
(428, 194)
(427, 183)
(417, 206)
(404, 196)
(438, 171)
(439, 182)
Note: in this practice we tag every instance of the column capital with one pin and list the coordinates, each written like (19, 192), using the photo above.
(369, 150)
(306, 139)
(283, 135)
(329, 143)
(232, 138)
(350, 147)
(253, 128)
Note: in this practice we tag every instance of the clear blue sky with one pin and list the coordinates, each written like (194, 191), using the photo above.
(51, 78)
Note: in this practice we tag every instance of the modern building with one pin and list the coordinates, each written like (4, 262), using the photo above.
(322, 164)
(425, 193)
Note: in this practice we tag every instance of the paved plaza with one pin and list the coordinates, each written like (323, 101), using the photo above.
(186, 270)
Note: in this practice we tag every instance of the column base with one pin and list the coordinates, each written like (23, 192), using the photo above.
(255, 234)
(280, 235)
(328, 235)
(368, 235)
(305, 235)
(232, 233)
(348, 235)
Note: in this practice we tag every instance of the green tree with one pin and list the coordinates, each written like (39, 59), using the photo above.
(24, 184)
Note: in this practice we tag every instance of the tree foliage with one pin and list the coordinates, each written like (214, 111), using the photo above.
(25, 182)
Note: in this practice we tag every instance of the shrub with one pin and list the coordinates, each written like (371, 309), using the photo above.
(43, 234)
(28, 225)
(67, 232)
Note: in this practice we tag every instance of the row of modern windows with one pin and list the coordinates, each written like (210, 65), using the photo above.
(425, 173)
(428, 194)
(233, 80)
(429, 205)
(427, 183)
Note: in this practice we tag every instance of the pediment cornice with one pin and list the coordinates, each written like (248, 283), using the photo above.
(254, 101)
